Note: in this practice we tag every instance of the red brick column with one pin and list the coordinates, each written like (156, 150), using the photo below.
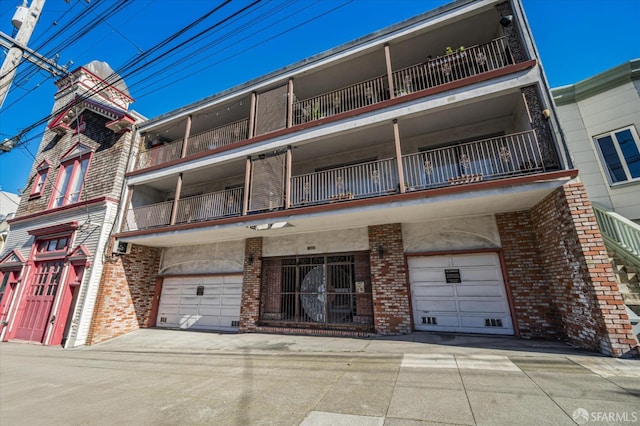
(126, 295)
(536, 315)
(250, 305)
(390, 286)
(581, 281)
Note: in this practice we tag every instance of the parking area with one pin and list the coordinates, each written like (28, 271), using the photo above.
(168, 377)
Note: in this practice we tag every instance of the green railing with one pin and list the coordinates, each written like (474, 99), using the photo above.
(620, 232)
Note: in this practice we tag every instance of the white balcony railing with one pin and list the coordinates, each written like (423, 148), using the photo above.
(476, 161)
(210, 206)
(619, 231)
(345, 183)
(149, 216)
(452, 67)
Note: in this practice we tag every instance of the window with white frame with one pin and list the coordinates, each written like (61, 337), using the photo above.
(40, 180)
(620, 154)
(73, 168)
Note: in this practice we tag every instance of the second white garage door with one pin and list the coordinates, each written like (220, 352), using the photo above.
(201, 303)
(459, 293)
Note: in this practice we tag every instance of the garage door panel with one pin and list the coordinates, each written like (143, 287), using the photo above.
(210, 300)
(441, 320)
(480, 321)
(213, 280)
(218, 305)
(187, 321)
(435, 291)
(477, 304)
(479, 274)
(428, 275)
(233, 290)
(485, 306)
(478, 291)
(429, 262)
(436, 306)
(486, 259)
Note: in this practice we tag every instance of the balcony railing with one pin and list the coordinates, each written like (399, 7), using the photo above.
(211, 139)
(346, 99)
(210, 206)
(452, 67)
(493, 158)
(149, 216)
(345, 183)
(159, 154)
(476, 161)
(218, 137)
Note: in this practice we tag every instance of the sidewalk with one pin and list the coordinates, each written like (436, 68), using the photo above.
(153, 377)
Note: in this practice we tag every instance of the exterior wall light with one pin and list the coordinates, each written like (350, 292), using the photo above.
(506, 20)
(381, 251)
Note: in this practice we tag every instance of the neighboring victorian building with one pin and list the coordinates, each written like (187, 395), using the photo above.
(414, 179)
(8, 207)
(601, 120)
(52, 261)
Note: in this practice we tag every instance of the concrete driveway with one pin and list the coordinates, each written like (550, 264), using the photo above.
(166, 377)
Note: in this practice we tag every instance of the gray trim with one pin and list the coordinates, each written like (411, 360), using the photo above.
(625, 73)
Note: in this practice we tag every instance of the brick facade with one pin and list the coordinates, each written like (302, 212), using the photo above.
(536, 316)
(390, 286)
(127, 294)
(560, 277)
(251, 280)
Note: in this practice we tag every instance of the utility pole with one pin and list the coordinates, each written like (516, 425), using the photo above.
(10, 64)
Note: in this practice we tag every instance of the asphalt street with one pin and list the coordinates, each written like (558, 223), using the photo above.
(168, 377)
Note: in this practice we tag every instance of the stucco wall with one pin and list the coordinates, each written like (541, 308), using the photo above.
(317, 242)
(223, 257)
(478, 232)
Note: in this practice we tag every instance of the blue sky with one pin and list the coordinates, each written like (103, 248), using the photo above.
(576, 39)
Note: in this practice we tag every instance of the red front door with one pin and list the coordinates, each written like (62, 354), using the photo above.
(38, 301)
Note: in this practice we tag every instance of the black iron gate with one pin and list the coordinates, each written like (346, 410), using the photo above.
(329, 290)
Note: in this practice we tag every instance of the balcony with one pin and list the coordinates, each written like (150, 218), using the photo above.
(434, 72)
(495, 158)
(199, 142)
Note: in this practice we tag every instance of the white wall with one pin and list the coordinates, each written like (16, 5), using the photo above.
(478, 232)
(317, 243)
(215, 258)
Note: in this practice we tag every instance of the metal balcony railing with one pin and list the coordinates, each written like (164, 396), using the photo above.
(346, 99)
(149, 216)
(218, 137)
(620, 232)
(452, 67)
(345, 183)
(159, 154)
(476, 161)
(210, 206)
(493, 158)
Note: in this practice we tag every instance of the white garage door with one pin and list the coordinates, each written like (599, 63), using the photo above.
(201, 303)
(460, 293)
